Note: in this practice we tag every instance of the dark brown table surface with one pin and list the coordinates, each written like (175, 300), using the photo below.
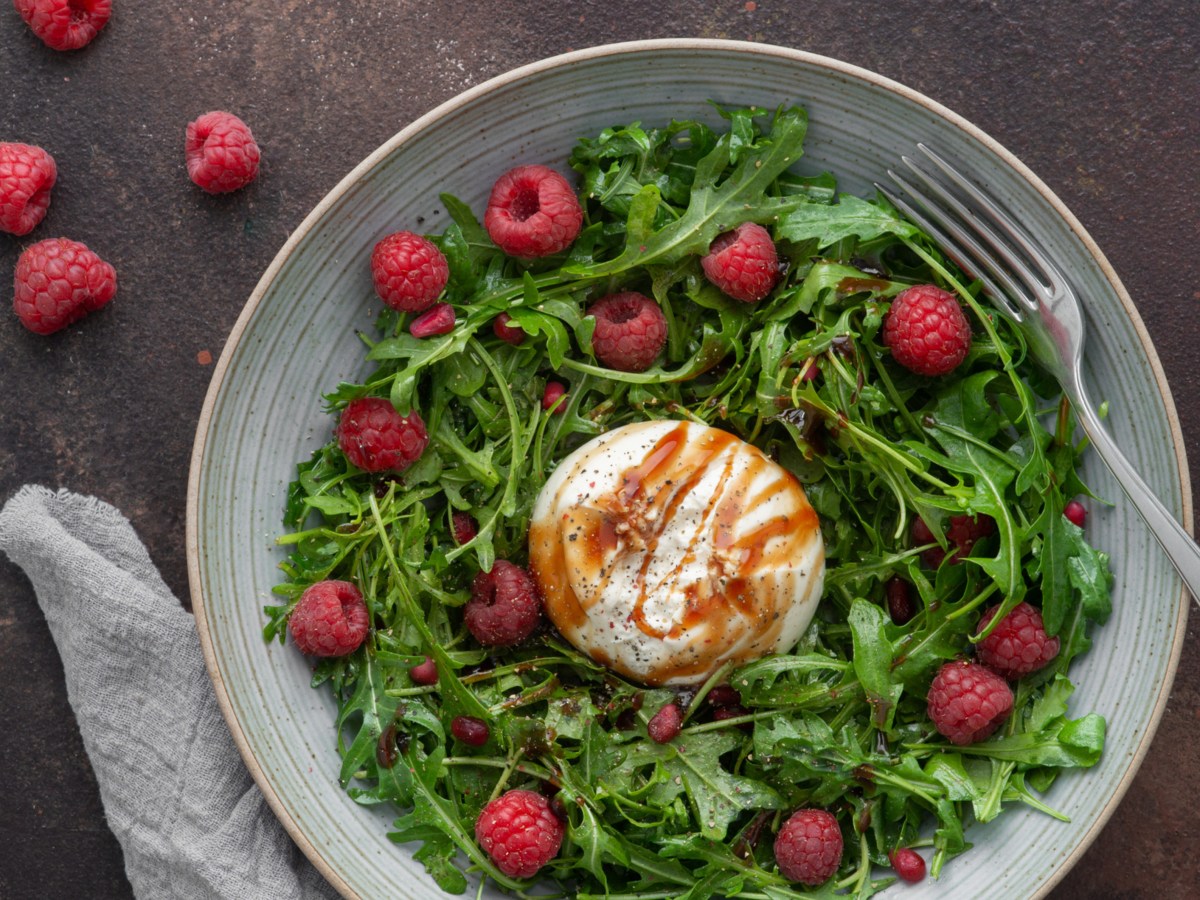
(1100, 99)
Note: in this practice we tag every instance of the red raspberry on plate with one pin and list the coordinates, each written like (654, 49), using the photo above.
(664, 725)
(908, 863)
(438, 319)
(743, 263)
(505, 606)
(520, 832)
(59, 281)
(27, 174)
(1018, 645)
(808, 848)
(927, 330)
(532, 212)
(967, 702)
(331, 619)
(221, 153)
(409, 271)
(555, 392)
(1076, 513)
(510, 334)
(65, 24)
(376, 438)
(630, 331)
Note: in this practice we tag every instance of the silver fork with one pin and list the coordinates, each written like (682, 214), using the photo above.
(980, 236)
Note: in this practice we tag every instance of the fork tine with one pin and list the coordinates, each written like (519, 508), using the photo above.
(953, 248)
(996, 246)
(1014, 232)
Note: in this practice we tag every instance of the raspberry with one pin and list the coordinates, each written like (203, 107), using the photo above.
(927, 330)
(664, 725)
(743, 263)
(409, 271)
(899, 600)
(967, 702)
(470, 730)
(438, 319)
(221, 153)
(65, 24)
(26, 175)
(425, 673)
(555, 391)
(962, 532)
(1076, 513)
(908, 863)
(808, 847)
(510, 334)
(330, 620)
(505, 606)
(465, 527)
(376, 438)
(520, 832)
(1018, 645)
(630, 330)
(59, 281)
(532, 212)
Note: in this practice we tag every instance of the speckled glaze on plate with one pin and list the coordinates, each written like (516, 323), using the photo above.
(296, 339)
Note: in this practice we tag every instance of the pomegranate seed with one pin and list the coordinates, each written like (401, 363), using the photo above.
(1076, 513)
(899, 600)
(436, 320)
(554, 391)
(425, 673)
(470, 730)
(665, 725)
(908, 863)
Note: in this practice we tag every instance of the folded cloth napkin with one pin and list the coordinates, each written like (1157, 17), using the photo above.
(176, 793)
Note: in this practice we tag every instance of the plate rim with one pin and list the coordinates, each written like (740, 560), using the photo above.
(199, 606)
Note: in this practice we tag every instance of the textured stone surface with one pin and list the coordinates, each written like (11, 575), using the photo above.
(1101, 99)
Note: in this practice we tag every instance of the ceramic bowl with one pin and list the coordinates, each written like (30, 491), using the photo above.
(296, 339)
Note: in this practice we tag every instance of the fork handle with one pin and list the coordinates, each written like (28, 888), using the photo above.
(1179, 546)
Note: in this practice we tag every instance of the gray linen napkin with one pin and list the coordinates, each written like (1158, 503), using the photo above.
(176, 793)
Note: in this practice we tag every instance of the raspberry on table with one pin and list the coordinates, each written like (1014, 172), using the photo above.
(424, 673)
(438, 319)
(520, 832)
(376, 438)
(808, 848)
(59, 281)
(967, 702)
(221, 153)
(409, 271)
(743, 263)
(1018, 645)
(555, 391)
(664, 725)
(65, 24)
(330, 619)
(27, 173)
(908, 863)
(532, 212)
(505, 606)
(1076, 513)
(927, 331)
(630, 331)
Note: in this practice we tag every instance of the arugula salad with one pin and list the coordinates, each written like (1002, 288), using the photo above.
(840, 722)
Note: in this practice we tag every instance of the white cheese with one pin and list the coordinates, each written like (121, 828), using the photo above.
(664, 549)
